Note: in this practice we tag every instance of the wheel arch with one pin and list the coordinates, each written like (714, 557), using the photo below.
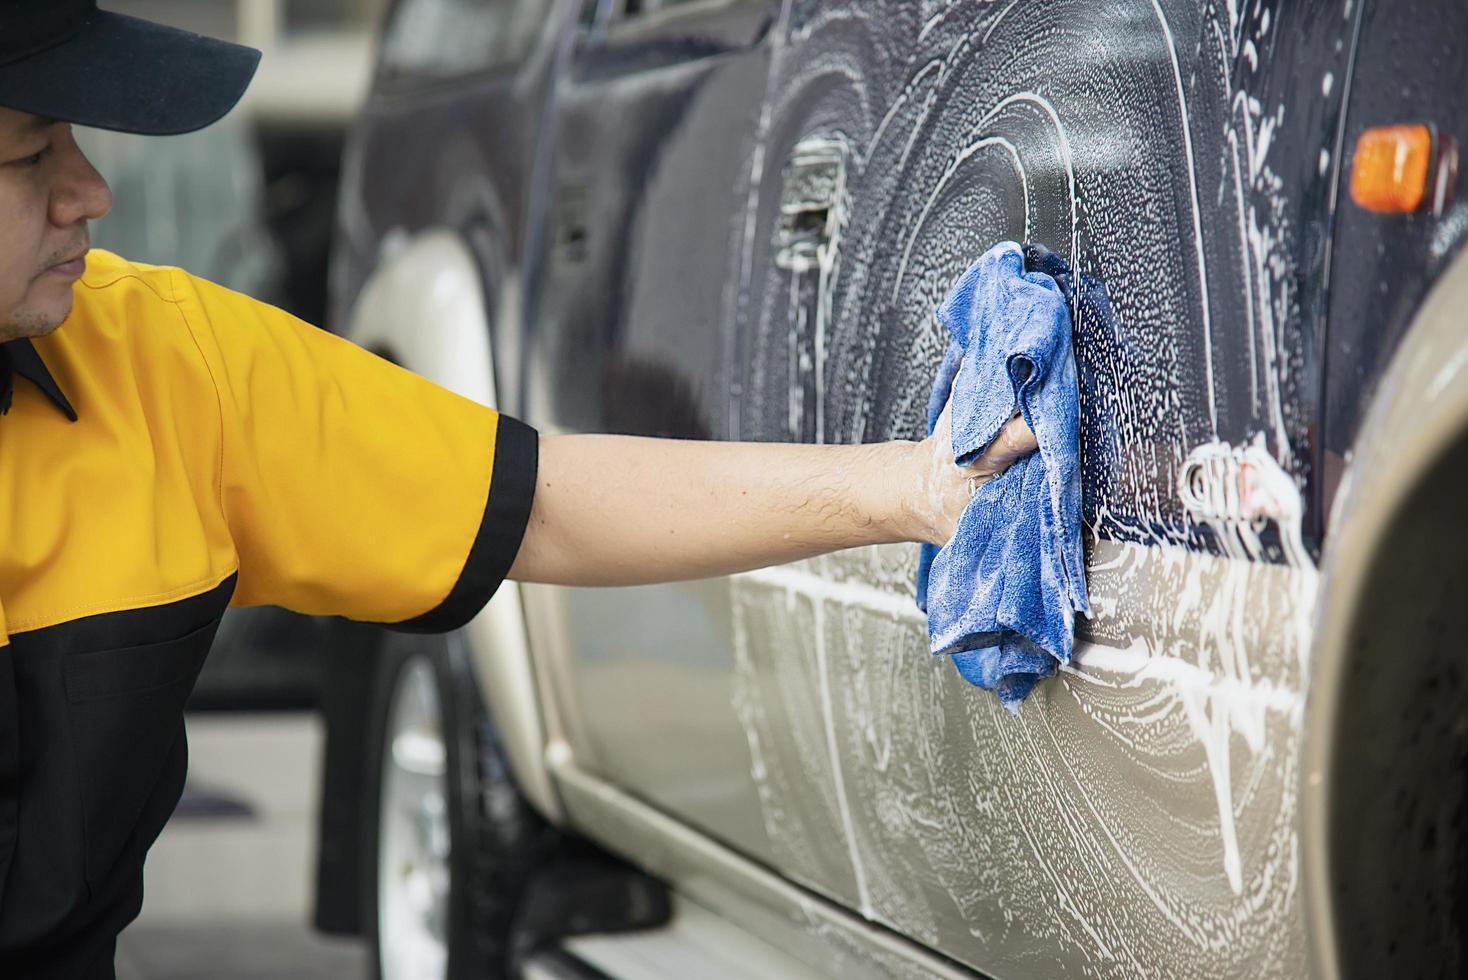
(426, 306)
(1385, 731)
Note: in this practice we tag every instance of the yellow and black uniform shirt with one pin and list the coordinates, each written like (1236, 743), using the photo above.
(172, 449)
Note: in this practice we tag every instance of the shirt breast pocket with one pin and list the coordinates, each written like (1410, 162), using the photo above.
(126, 713)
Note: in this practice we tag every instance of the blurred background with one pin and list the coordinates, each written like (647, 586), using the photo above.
(247, 203)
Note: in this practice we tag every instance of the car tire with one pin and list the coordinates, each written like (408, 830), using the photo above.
(450, 841)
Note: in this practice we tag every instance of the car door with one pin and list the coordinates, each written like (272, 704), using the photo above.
(1138, 815)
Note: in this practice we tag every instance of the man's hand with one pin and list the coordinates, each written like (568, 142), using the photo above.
(947, 487)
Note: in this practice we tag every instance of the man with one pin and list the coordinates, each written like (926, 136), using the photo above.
(169, 448)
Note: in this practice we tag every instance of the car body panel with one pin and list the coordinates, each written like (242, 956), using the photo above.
(454, 153)
(786, 728)
(653, 119)
(1144, 805)
(1386, 263)
(756, 899)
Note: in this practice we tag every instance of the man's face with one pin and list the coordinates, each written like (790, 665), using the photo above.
(48, 193)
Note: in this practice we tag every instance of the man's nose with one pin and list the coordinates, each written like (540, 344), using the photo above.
(79, 193)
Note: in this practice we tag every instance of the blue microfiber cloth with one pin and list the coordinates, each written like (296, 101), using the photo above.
(1001, 596)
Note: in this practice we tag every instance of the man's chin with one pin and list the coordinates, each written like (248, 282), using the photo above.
(34, 323)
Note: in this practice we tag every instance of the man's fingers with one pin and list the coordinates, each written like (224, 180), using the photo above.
(1013, 442)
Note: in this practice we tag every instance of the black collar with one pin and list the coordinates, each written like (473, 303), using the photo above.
(21, 357)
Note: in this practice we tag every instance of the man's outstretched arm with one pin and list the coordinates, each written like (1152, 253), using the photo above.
(627, 510)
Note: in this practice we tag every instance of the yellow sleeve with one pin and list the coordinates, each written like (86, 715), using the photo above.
(351, 486)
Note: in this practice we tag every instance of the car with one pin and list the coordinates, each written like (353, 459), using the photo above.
(732, 219)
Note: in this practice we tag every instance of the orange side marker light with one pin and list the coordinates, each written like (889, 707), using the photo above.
(1399, 168)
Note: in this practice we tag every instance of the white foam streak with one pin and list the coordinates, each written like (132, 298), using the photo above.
(1204, 298)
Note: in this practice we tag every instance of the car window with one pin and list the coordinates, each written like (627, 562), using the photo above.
(450, 38)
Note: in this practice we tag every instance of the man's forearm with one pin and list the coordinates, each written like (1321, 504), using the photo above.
(626, 510)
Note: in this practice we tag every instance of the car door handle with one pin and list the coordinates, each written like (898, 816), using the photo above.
(810, 204)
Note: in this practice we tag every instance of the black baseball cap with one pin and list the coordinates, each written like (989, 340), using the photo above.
(67, 60)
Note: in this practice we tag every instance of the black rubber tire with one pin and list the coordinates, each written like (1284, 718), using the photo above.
(496, 838)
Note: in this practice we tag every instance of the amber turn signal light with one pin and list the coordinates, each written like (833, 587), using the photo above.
(1400, 168)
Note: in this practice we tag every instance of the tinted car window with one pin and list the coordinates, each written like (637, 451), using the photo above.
(449, 38)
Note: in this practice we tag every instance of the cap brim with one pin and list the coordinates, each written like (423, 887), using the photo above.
(133, 76)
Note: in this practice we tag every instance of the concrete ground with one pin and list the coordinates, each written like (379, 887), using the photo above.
(229, 882)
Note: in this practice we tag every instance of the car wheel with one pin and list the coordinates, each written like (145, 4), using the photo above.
(453, 841)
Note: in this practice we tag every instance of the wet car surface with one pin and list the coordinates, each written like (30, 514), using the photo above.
(734, 219)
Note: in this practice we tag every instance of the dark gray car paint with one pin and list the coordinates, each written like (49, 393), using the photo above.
(462, 153)
(1412, 70)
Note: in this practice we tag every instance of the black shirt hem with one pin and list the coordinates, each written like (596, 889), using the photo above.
(506, 515)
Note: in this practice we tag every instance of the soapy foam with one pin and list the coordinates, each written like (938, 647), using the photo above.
(1146, 797)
